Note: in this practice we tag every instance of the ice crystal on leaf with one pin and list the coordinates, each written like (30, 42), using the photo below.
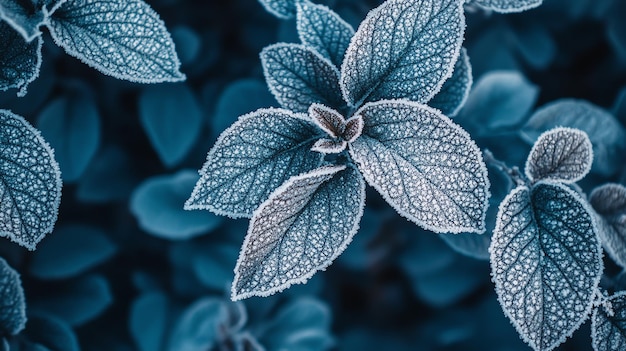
(284, 9)
(19, 60)
(608, 324)
(506, 6)
(12, 302)
(27, 16)
(456, 89)
(609, 201)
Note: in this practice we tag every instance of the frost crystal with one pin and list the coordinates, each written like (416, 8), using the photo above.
(608, 330)
(19, 60)
(456, 89)
(284, 9)
(27, 16)
(609, 201)
(506, 6)
(12, 304)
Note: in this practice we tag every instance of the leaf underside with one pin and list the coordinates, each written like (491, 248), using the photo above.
(12, 301)
(608, 332)
(546, 262)
(506, 6)
(424, 165)
(30, 182)
(456, 89)
(19, 60)
(252, 158)
(125, 39)
(300, 229)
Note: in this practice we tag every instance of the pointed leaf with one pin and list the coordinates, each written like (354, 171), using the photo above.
(26, 16)
(329, 146)
(284, 9)
(300, 229)
(609, 201)
(72, 127)
(354, 128)
(252, 158)
(608, 325)
(299, 77)
(20, 61)
(30, 182)
(327, 119)
(546, 262)
(324, 31)
(424, 165)
(12, 305)
(403, 49)
(125, 39)
(455, 90)
(506, 6)
(560, 154)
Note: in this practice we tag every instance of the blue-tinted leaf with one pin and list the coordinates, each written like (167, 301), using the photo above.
(149, 315)
(72, 127)
(299, 77)
(424, 165)
(246, 342)
(546, 262)
(12, 305)
(197, 328)
(300, 229)
(324, 31)
(71, 250)
(607, 135)
(30, 184)
(403, 49)
(280, 8)
(213, 266)
(125, 39)
(20, 60)
(455, 90)
(51, 332)
(252, 158)
(608, 324)
(506, 6)
(499, 100)
(158, 205)
(109, 177)
(609, 200)
(188, 43)
(172, 118)
(25, 17)
(536, 44)
(560, 154)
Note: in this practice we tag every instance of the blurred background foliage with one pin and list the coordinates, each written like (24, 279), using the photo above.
(126, 268)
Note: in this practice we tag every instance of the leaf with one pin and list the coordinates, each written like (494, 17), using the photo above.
(30, 182)
(157, 204)
(607, 135)
(20, 60)
(253, 157)
(197, 327)
(329, 146)
(507, 6)
(609, 200)
(109, 177)
(303, 226)
(25, 17)
(546, 262)
(51, 332)
(283, 9)
(149, 315)
(608, 324)
(70, 251)
(299, 77)
(12, 306)
(172, 118)
(425, 166)
(403, 49)
(324, 31)
(72, 127)
(560, 154)
(455, 90)
(125, 39)
(213, 265)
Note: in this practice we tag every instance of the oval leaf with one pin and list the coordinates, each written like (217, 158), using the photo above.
(125, 39)
(252, 158)
(148, 319)
(324, 31)
(20, 61)
(72, 127)
(284, 9)
(300, 229)
(12, 306)
(30, 182)
(546, 262)
(507, 6)
(561, 154)
(424, 165)
(403, 49)
(172, 118)
(609, 201)
(455, 90)
(299, 77)
(608, 324)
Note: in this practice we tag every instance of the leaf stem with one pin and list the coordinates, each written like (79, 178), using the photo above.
(514, 173)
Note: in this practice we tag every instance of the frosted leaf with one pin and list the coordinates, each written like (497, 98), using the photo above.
(354, 128)
(327, 119)
(30, 182)
(507, 6)
(560, 154)
(424, 165)
(546, 262)
(26, 16)
(609, 201)
(299, 77)
(253, 157)
(12, 302)
(300, 229)
(125, 39)
(403, 49)
(284, 9)
(19, 60)
(329, 146)
(324, 31)
(608, 327)
(456, 89)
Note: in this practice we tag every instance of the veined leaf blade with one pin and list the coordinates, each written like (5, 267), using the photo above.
(508, 6)
(609, 201)
(20, 61)
(608, 327)
(12, 305)
(455, 90)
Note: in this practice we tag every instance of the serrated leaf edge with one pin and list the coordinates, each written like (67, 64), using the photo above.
(594, 327)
